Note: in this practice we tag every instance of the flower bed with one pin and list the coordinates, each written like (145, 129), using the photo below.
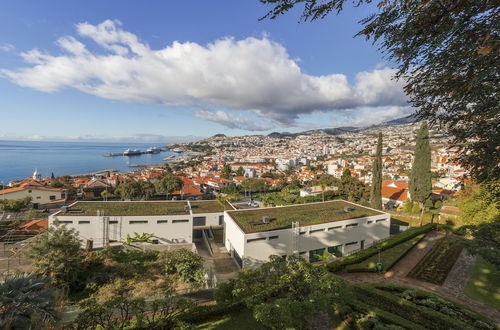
(437, 263)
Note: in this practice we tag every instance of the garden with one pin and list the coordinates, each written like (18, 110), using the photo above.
(388, 257)
(437, 263)
(414, 309)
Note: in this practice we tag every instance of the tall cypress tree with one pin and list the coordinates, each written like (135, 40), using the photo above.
(376, 192)
(420, 177)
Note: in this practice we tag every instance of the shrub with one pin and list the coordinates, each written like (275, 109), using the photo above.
(188, 265)
(388, 298)
(360, 256)
(415, 208)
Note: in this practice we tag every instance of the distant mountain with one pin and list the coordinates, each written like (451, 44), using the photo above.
(219, 135)
(401, 121)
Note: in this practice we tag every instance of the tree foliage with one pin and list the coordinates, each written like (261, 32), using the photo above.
(376, 189)
(447, 53)
(485, 242)
(27, 301)
(136, 190)
(57, 253)
(15, 205)
(188, 265)
(479, 203)
(420, 177)
(168, 184)
(283, 293)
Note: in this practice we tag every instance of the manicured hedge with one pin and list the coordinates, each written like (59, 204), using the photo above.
(427, 317)
(424, 295)
(437, 263)
(384, 316)
(388, 257)
(201, 313)
(362, 255)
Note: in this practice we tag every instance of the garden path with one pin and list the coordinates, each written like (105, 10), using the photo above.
(452, 289)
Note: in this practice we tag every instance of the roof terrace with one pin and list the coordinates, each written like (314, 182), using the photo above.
(250, 221)
(127, 208)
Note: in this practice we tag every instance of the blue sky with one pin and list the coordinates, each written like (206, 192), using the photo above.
(121, 69)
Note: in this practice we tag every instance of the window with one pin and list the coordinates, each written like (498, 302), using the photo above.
(199, 221)
(221, 220)
(335, 250)
(180, 220)
(113, 221)
(81, 222)
(380, 220)
(351, 243)
(336, 227)
(274, 237)
(52, 197)
(161, 221)
(38, 197)
(314, 254)
(256, 239)
(63, 195)
(29, 191)
(133, 222)
(316, 230)
(351, 225)
(65, 221)
(368, 222)
(303, 232)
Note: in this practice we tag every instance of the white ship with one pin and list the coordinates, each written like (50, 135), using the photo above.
(132, 152)
(153, 150)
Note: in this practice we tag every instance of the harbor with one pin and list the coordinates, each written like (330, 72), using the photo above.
(136, 152)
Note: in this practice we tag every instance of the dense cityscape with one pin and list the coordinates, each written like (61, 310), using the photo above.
(180, 165)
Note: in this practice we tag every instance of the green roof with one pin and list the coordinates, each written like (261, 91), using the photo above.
(206, 207)
(127, 208)
(306, 214)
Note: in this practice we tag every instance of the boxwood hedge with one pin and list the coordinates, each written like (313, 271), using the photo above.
(362, 255)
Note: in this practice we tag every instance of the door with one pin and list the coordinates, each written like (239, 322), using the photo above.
(362, 244)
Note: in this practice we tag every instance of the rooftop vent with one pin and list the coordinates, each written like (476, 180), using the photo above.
(186, 208)
(266, 219)
(348, 209)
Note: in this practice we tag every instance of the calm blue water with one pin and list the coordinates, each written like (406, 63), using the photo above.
(18, 159)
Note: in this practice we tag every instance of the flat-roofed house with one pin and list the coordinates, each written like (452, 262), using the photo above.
(171, 222)
(337, 227)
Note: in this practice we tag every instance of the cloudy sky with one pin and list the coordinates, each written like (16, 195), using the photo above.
(124, 69)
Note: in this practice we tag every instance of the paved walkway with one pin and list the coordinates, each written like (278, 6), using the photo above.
(452, 289)
(221, 263)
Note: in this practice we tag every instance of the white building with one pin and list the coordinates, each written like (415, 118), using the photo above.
(338, 227)
(170, 222)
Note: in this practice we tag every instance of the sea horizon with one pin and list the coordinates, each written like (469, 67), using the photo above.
(20, 158)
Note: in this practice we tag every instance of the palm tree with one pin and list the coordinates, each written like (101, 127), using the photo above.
(27, 301)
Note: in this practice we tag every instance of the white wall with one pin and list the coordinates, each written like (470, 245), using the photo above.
(39, 196)
(234, 238)
(169, 232)
(259, 251)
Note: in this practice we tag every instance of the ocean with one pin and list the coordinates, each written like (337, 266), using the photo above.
(19, 159)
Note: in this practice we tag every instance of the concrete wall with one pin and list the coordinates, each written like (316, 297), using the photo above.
(95, 228)
(234, 238)
(258, 250)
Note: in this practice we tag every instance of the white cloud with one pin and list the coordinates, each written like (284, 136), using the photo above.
(6, 47)
(140, 138)
(253, 74)
(234, 121)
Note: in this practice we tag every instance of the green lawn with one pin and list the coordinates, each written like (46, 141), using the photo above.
(484, 283)
(206, 207)
(402, 220)
(306, 214)
(388, 257)
(127, 208)
(242, 320)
